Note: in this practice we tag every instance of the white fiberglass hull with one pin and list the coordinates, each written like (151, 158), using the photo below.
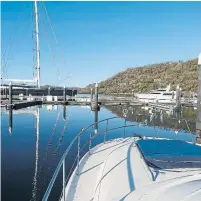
(116, 171)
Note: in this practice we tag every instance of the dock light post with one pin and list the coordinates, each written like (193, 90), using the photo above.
(198, 124)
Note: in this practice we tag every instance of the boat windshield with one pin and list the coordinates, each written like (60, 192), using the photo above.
(169, 154)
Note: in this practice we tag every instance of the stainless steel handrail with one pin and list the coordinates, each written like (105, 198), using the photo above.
(62, 160)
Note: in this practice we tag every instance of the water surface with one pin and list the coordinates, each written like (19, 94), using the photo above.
(40, 135)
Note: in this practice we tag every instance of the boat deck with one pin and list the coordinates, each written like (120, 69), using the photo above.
(115, 170)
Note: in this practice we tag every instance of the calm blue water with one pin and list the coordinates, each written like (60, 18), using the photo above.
(32, 151)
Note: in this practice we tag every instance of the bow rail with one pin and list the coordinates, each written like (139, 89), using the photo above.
(77, 138)
(89, 142)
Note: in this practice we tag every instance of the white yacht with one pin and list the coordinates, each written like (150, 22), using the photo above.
(131, 169)
(162, 95)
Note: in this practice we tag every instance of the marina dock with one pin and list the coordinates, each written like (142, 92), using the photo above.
(19, 103)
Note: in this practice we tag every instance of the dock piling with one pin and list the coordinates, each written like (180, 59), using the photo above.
(94, 104)
(64, 94)
(72, 94)
(198, 124)
(6, 92)
(96, 95)
(48, 90)
(91, 95)
(10, 95)
(178, 98)
(133, 93)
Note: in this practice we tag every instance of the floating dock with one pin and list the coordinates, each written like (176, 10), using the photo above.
(54, 100)
(17, 98)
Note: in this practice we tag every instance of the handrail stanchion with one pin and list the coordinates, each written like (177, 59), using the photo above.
(124, 128)
(64, 180)
(106, 131)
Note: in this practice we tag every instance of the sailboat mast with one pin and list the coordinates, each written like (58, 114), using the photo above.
(37, 46)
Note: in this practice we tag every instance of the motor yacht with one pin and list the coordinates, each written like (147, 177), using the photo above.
(161, 95)
(131, 168)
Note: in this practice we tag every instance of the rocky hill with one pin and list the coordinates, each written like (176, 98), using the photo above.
(146, 78)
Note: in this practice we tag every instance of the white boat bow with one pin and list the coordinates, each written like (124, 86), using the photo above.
(131, 169)
(116, 170)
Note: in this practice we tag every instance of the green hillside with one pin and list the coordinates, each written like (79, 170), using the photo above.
(146, 78)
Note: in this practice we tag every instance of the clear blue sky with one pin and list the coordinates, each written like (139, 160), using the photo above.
(98, 39)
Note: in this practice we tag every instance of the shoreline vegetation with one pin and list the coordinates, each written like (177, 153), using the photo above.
(149, 77)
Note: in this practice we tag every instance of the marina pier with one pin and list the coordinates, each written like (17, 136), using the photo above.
(70, 97)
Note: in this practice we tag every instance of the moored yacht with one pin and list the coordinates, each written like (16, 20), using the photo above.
(162, 95)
